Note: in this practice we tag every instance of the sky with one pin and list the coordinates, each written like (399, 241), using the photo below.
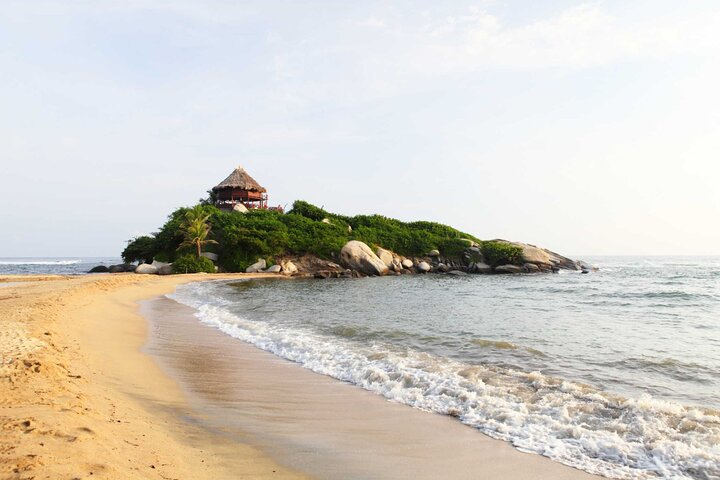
(590, 128)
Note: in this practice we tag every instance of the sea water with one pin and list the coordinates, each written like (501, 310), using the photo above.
(53, 265)
(616, 372)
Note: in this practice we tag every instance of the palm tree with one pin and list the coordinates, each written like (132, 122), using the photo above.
(196, 230)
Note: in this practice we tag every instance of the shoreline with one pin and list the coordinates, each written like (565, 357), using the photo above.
(84, 399)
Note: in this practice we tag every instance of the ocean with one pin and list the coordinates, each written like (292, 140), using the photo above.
(53, 265)
(616, 372)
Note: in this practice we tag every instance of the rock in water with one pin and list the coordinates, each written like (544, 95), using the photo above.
(386, 256)
(458, 273)
(442, 268)
(257, 266)
(530, 268)
(355, 255)
(483, 268)
(146, 269)
(508, 269)
(274, 269)
(423, 267)
(99, 269)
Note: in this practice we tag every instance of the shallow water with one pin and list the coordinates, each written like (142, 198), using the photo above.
(615, 372)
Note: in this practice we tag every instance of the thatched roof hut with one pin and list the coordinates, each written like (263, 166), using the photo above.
(240, 179)
(240, 188)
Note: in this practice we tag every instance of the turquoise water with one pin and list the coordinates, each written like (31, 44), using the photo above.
(616, 372)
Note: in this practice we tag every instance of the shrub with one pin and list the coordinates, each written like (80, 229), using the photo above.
(193, 264)
(140, 249)
(501, 253)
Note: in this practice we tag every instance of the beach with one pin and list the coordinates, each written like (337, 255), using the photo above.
(86, 394)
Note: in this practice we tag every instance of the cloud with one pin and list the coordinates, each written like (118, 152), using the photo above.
(372, 22)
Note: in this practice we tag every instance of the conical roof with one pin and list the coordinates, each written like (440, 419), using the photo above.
(239, 178)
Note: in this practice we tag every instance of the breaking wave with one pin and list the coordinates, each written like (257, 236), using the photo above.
(573, 423)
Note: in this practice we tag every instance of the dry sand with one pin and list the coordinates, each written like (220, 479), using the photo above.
(80, 400)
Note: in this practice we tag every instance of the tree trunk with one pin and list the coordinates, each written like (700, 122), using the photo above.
(199, 249)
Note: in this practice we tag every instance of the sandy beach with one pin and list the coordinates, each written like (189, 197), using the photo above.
(86, 395)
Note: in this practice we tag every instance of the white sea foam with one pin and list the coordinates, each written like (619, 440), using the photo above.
(569, 422)
(39, 262)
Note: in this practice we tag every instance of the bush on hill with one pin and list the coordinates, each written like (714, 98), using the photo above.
(243, 238)
(140, 249)
(501, 253)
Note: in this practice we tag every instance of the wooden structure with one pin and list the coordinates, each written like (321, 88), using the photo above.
(239, 188)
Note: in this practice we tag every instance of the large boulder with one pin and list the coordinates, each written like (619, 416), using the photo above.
(481, 267)
(407, 263)
(99, 269)
(261, 264)
(355, 255)
(210, 256)
(240, 208)
(159, 265)
(289, 268)
(165, 270)
(386, 256)
(423, 267)
(146, 269)
(508, 269)
(116, 269)
(274, 269)
(544, 258)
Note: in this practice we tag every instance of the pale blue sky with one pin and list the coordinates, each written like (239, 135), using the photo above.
(585, 127)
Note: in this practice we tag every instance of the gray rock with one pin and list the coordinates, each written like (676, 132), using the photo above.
(423, 267)
(355, 255)
(257, 266)
(508, 269)
(210, 255)
(99, 269)
(116, 269)
(482, 268)
(434, 253)
(530, 268)
(240, 208)
(442, 268)
(458, 273)
(407, 263)
(396, 265)
(146, 269)
(274, 269)
(165, 270)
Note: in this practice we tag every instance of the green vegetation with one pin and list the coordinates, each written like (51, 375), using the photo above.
(196, 230)
(501, 253)
(193, 264)
(140, 249)
(240, 239)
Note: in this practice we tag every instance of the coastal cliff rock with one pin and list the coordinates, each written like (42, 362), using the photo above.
(545, 259)
(356, 255)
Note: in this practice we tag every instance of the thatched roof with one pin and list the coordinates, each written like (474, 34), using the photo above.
(239, 178)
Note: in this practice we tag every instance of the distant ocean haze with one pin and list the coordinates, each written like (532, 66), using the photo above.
(616, 372)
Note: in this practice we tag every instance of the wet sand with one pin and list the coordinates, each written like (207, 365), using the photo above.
(318, 425)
